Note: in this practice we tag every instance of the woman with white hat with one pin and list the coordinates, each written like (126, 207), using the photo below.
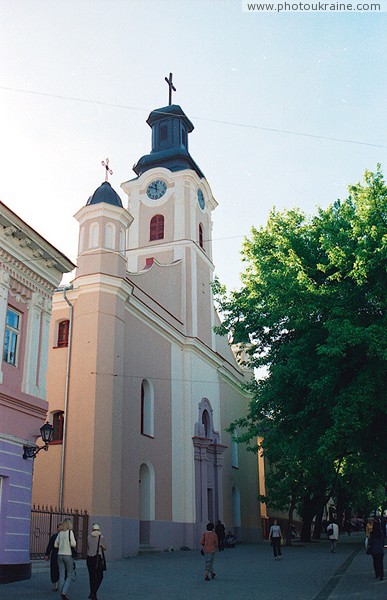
(95, 550)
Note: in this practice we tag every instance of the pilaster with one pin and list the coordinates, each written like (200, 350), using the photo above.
(4, 291)
(35, 308)
(43, 358)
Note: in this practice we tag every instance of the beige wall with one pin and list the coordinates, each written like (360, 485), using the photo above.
(234, 405)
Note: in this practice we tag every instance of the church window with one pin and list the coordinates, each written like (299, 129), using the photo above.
(163, 133)
(234, 455)
(57, 423)
(12, 336)
(201, 239)
(149, 262)
(236, 506)
(157, 228)
(94, 235)
(63, 334)
(122, 241)
(206, 421)
(184, 137)
(110, 234)
(147, 409)
(82, 240)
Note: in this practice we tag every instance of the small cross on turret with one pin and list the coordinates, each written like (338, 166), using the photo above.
(108, 171)
(171, 87)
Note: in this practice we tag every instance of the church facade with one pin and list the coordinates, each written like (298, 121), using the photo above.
(140, 388)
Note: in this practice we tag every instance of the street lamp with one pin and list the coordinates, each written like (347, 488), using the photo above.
(46, 432)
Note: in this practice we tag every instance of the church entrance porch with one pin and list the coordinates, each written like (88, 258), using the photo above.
(208, 467)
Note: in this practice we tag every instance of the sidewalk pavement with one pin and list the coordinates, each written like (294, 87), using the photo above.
(306, 572)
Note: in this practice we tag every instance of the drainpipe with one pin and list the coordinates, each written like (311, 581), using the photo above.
(66, 398)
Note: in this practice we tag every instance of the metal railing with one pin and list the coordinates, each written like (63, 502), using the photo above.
(44, 521)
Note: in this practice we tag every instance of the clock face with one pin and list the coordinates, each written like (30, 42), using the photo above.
(156, 189)
(201, 199)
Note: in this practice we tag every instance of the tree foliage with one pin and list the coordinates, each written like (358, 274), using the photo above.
(312, 311)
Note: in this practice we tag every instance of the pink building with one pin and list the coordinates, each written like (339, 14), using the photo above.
(141, 389)
(30, 270)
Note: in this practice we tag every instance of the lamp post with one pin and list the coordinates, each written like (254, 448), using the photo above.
(46, 432)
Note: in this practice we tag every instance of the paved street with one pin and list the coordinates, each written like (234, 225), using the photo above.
(308, 572)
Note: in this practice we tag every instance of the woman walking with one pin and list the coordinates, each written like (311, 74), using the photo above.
(375, 546)
(65, 541)
(209, 542)
(95, 547)
(275, 537)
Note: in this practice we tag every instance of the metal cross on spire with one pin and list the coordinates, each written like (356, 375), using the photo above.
(171, 87)
(108, 171)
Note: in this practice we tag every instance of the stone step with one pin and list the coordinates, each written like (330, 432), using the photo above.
(147, 548)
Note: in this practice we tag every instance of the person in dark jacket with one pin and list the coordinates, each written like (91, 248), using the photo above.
(220, 531)
(95, 545)
(376, 543)
(52, 554)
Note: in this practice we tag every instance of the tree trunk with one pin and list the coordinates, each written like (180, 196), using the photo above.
(318, 524)
(306, 527)
(290, 525)
(308, 511)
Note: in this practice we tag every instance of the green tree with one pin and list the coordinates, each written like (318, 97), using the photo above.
(312, 311)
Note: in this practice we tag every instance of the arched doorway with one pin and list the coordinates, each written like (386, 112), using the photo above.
(146, 501)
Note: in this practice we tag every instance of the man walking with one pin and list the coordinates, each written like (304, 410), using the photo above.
(333, 534)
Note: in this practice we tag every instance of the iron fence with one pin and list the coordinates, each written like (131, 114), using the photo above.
(44, 521)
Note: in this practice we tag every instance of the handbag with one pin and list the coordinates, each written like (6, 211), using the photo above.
(100, 560)
(74, 552)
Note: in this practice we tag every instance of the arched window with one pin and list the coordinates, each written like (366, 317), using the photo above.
(82, 239)
(110, 234)
(57, 423)
(94, 235)
(156, 228)
(206, 422)
(234, 455)
(236, 506)
(147, 409)
(147, 508)
(122, 241)
(63, 334)
(201, 243)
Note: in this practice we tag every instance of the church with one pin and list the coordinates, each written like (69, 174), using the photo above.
(140, 388)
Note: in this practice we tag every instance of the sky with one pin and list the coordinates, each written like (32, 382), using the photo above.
(289, 109)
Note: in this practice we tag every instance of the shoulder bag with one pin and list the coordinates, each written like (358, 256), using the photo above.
(100, 561)
(74, 552)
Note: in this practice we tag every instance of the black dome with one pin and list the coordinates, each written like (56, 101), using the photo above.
(105, 193)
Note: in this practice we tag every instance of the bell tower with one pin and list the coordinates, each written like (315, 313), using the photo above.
(171, 204)
(102, 234)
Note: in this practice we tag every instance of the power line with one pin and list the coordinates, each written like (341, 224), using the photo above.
(206, 119)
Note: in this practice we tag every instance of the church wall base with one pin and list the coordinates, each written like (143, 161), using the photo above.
(247, 535)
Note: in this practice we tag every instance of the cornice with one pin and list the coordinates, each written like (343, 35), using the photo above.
(21, 272)
(25, 243)
(24, 406)
(102, 209)
(182, 243)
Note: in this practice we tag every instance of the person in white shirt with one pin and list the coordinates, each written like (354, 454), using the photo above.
(65, 541)
(333, 534)
(275, 537)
